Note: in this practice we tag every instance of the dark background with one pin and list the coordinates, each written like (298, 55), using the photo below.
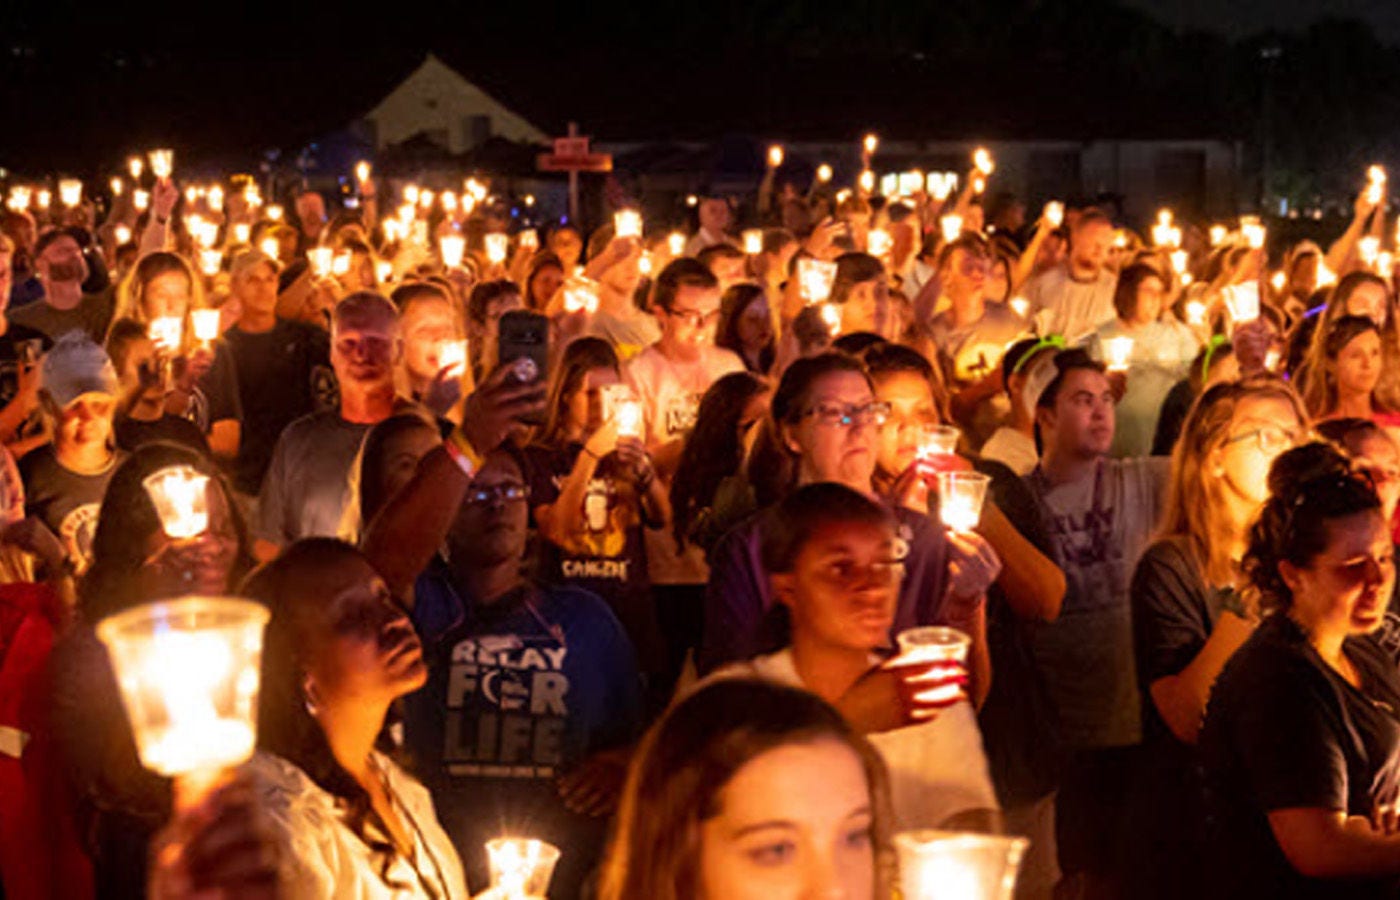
(81, 86)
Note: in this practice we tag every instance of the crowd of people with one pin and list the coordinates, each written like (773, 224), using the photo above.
(608, 539)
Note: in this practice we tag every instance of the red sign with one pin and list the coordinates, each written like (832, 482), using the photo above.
(586, 162)
(571, 146)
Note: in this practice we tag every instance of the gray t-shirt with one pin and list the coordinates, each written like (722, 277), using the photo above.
(1098, 528)
(308, 482)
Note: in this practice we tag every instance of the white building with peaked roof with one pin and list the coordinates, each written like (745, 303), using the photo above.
(451, 111)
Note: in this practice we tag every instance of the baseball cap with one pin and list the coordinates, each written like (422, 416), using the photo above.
(75, 366)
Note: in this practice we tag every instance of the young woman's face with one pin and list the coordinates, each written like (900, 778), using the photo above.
(1379, 458)
(167, 294)
(911, 409)
(777, 837)
(1261, 429)
(359, 644)
(1150, 292)
(585, 405)
(835, 439)
(1369, 300)
(1345, 589)
(1358, 365)
(544, 285)
(755, 326)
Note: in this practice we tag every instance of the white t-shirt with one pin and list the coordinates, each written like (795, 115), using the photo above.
(322, 857)
(670, 392)
(938, 769)
(1073, 309)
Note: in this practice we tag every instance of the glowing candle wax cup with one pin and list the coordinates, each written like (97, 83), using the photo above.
(1118, 351)
(188, 672)
(824, 173)
(410, 194)
(162, 163)
(426, 198)
(947, 865)
(274, 212)
(383, 270)
(938, 440)
(879, 242)
(42, 198)
(627, 223)
(242, 231)
(1369, 248)
(952, 225)
(1218, 234)
(340, 265)
(448, 201)
(960, 497)
(452, 247)
(869, 144)
(205, 322)
(753, 241)
(814, 279)
(452, 355)
(497, 246)
(831, 315)
(1179, 259)
(580, 295)
(982, 161)
(166, 332)
(1195, 313)
(269, 247)
(70, 191)
(135, 166)
(529, 239)
(910, 182)
(520, 867)
(181, 498)
(675, 243)
(1054, 213)
(775, 155)
(322, 258)
(210, 261)
(122, 233)
(1020, 306)
(1243, 301)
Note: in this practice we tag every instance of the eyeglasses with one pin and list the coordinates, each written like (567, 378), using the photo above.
(1269, 438)
(494, 493)
(848, 414)
(695, 318)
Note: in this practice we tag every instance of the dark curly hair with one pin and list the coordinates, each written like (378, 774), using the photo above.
(1309, 487)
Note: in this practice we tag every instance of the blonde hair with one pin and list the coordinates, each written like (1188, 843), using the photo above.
(131, 292)
(1195, 508)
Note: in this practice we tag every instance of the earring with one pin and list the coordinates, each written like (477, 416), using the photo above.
(308, 692)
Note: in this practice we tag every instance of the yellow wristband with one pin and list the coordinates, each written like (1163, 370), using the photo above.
(462, 452)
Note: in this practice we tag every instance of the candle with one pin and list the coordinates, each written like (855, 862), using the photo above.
(449, 201)
(942, 184)
(135, 166)
(831, 315)
(206, 321)
(878, 242)
(675, 243)
(1054, 213)
(425, 199)
(452, 247)
(960, 497)
(580, 295)
(1368, 248)
(1179, 260)
(497, 246)
(1195, 312)
(180, 496)
(191, 194)
(1325, 276)
(627, 223)
(869, 144)
(1218, 234)
(70, 191)
(775, 156)
(162, 163)
(406, 212)
(252, 196)
(952, 227)
(629, 418)
(1375, 174)
(520, 868)
(19, 198)
(42, 198)
(270, 247)
(410, 194)
(322, 258)
(383, 270)
(1272, 358)
(215, 198)
(940, 650)
(1374, 191)
(753, 241)
(911, 182)
(122, 234)
(947, 865)
(824, 173)
(814, 279)
(274, 212)
(242, 231)
(866, 182)
(166, 331)
(1020, 306)
(937, 440)
(1385, 263)
(188, 673)
(210, 261)
(529, 199)
(1243, 301)
(1253, 231)
(362, 171)
(340, 265)
(530, 239)
(476, 188)
(644, 263)
(979, 184)
(1118, 351)
(982, 161)
(452, 355)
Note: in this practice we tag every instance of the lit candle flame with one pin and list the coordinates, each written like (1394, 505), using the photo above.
(322, 258)
(753, 241)
(166, 332)
(869, 144)
(1054, 213)
(952, 225)
(775, 155)
(1119, 351)
(497, 247)
(878, 242)
(362, 170)
(206, 321)
(70, 191)
(452, 247)
(824, 173)
(162, 163)
(452, 356)
(627, 223)
(982, 161)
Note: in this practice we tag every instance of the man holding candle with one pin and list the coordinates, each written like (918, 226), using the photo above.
(1076, 297)
(308, 481)
(1100, 514)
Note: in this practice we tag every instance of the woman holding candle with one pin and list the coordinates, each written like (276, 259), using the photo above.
(593, 489)
(1161, 349)
(1301, 743)
(749, 789)
(1345, 382)
(142, 416)
(134, 561)
(1188, 614)
(337, 652)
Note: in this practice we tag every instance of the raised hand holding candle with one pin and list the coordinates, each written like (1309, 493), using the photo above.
(960, 498)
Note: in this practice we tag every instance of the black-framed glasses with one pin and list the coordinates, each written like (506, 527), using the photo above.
(848, 414)
(508, 492)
